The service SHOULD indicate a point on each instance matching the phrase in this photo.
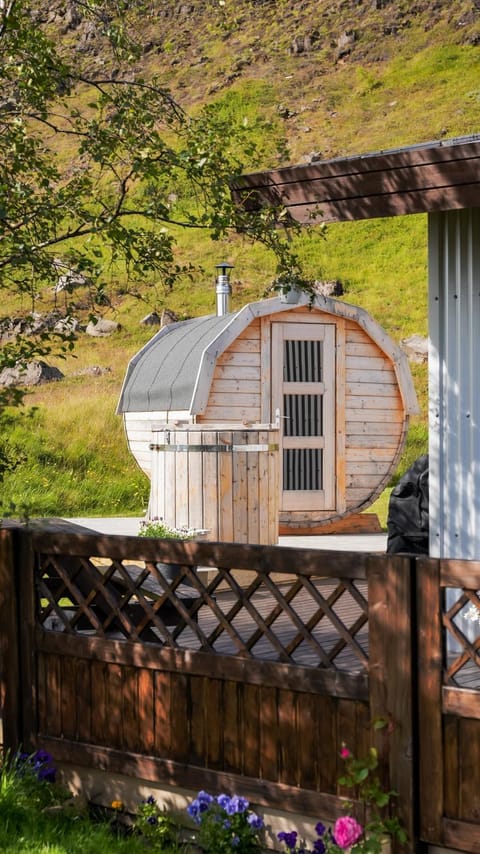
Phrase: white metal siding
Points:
(454, 375)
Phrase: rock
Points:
(101, 328)
(285, 112)
(313, 157)
(345, 43)
(35, 373)
(168, 317)
(34, 324)
(68, 279)
(416, 348)
(151, 319)
(333, 288)
(66, 325)
(92, 371)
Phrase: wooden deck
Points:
(285, 640)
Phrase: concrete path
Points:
(130, 526)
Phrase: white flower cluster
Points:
(473, 614)
(159, 528)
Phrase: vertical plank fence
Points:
(247, 673)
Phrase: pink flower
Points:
(346, 831)
(345, 753)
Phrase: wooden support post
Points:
(27, 656)
(390, 678)
(10, 711)
(430, 758)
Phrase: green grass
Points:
(85, 469)
(39, 817)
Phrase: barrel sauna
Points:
(321, 382)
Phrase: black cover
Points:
(408, 522)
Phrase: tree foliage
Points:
(99, 160)
(99, 163)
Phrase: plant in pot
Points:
(160, 529)
(291, 284)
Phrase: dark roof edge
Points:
(382, 152)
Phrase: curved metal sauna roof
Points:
(174, 370)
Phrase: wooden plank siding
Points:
(250, 727)
(138, 429)
(372, 404)
(236, 390)
(370, 421)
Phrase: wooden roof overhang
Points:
(430, 177)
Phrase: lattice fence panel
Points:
(299, 619)
(461, 620)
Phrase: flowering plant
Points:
(155, 825)
(39, 764)
(226, 823)
(344, 834)
(160, 528)
(347, 834)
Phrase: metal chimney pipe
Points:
(223, 288)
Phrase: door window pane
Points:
(302, 468)
(303, 415)
(302, 361)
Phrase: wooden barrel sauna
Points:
(223, 481)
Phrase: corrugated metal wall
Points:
(454, 376)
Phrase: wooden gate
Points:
(448, 614)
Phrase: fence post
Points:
(390, 677)
(10, 709)
(430, 667)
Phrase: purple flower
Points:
(238, 804)
(320, 829)
(150, 800)
(235, 841)
(43, 757)
(319, 847)
(290, 839)
(255, 821)
(194, 809)
(205, 798)
(46, 774)
(40, 762)
(224, 801)
(152, 819)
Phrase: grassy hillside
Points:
(332, 77)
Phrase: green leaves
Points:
(362, 778)
(133, 153)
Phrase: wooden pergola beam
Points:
(436, 176)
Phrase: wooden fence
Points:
(245, 673)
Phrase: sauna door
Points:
(303, 391)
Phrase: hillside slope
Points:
(342, 76)
(333, 77)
